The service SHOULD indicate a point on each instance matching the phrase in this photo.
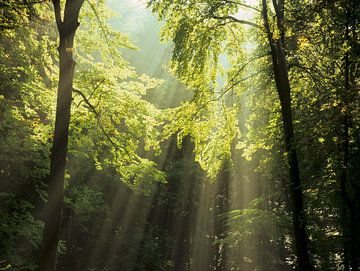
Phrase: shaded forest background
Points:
(185, 153)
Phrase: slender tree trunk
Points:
(299, 221)
(350, 238)
(284, 92)
(220, 210)
(53, 212)
(349, 212)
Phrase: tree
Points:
(337, 63)
(67, 27)
(200, 33)
(280, 69)
(282, 79)
(121, 123)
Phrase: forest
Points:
(180, 135)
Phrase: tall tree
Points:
(280, 69)
(67, 26)
(346, 184)
(329, 54)
(201, 32)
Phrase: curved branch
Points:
(235, 20)
(97, 115)
(230, 87)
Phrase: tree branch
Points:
(57, 11)
(244, 5)
(235, 20)
(97, 115)
(93, 92)
(104, 31)
(227, 89)
(309, 72)
(230, 87)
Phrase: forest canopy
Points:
(179, 135)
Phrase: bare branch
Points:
(227, 89)
(230, 87)
(235, 20)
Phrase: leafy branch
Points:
(98, 119)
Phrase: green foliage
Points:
(317, 43)
(25, 112)
(200, 40)
(255, 220)
(112, 125)
(212, 132)
(117, 136)
(20, 232)
(109, 108)
(15, 13)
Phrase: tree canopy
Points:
(179, 135)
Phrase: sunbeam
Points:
(179, 135)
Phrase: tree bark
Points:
(284, 92)
(350, 239)
(53, 210)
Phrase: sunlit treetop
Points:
(210, 56)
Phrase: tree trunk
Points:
(299, 221)
(284, 92)
(53, 211)
(220, 220)
(350, 238)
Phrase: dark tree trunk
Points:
(181, 251)
(184, 207)
(172, 209)
(350, 235)
(220, 226)
(53, 211)
(284, 92)
(349, 211)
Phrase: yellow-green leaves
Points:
(205, 44)
(117, 126)
(211, 129)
